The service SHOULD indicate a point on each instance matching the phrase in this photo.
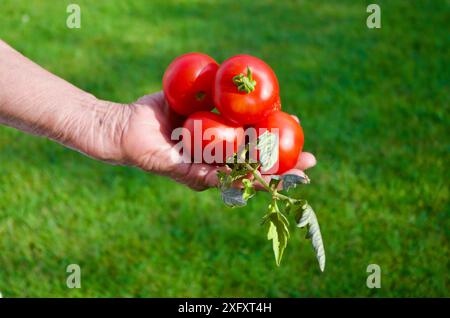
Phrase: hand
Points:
(33, 100)
(146, 143)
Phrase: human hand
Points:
(146, 143)
(137, 134)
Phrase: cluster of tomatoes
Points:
(244, 90)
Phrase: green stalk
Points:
(245, 83)
(266, 186)
(259, 178)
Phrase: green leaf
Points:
(278, 232)
(239, 171)
(223, 178)
(309, 219)
(292, 180)
(249, 189)
(221, 175)
(233, 197)
(268, 150)
(302, 215)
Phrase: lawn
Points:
(374, 105)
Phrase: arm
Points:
(40, 103)
(137, 134)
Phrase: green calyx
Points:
(245, 83)
(200, 96)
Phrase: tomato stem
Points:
(259, 178)
(245, 83)
(275, 194)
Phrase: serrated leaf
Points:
(303, 214)
(315, 235)
(268, 150)
(278, 233)
(233, 197)
(249, 189)
(222, 176)
(224, 180)
(279, 236)
(239, 171)
(292, 180)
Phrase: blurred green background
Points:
(374, 105)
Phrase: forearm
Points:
(38, 102)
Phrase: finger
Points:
(202, 177)
(211, 178)
(196, 176)
(150, 99)
(297, 172)
(175, 119)
(305, 161)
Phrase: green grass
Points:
(374, 106)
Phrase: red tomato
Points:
(290, 139)
(277, 104)
(187, 83)
(212, 138)
(245, 89)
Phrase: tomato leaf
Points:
(239, 171)
(278, 231)
(292, 180)
(301, 214)
(233, 197)
(249, 189)
(309, 219)
(223, 179)
(268, 150)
